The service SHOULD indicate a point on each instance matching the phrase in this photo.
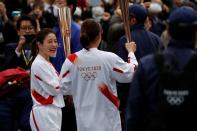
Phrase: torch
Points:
(124, 4)
(64, 17)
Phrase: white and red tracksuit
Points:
(46, 112)
(90, 77)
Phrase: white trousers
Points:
(46, 118)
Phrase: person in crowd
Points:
(50, 7)
(68, 113)
(90, 75)
(19, 54)
(77, 16)
(144, 94)
(156, 11)
(114, 33)
(116, 29)
(6, 28)
(15, 5)
(146, 42)
(75, 31)
(16, 106)
(43, 18)
(46, 113)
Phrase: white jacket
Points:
(45, 84)
(46, 114)
(90, 77)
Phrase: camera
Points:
(29, 38)
(28, 41)
(16, 13)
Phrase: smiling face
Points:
(49, 46)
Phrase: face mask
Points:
(78, 11)
(97, 13)
(155, 8)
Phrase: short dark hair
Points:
(42, 34)
(26, 18)
(90, 29)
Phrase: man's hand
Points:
(20, 44)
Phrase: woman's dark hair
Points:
(26, 18)
(90, 29)
(40, 38)
(42, 34)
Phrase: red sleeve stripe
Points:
(38, 77)
(65, 74)
(35, 123)
(118, 70)
(39, 98)
(129, 60)
(72, 58)
(107, 93)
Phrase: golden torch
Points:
(64, 17)
(124, 4)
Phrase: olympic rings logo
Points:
(175, 100)
(89, 75)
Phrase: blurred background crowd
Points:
(107, 12)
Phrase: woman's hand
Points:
(131, 46)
